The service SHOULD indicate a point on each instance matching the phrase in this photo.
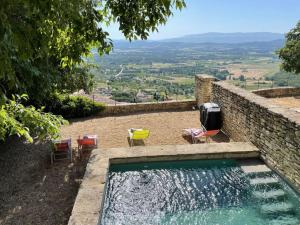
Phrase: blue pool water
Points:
(200, 192)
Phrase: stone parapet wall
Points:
(273, 129)
(278, 92)
(148, 107)
(203, 88)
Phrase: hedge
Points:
(73, 106)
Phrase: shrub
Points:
(27, 121)
(285, 79)
(73, 106)
(242, 78)
(124, 96)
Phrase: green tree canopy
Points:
(28, 122)
(43, 42)
(42, 47)
(290, 53)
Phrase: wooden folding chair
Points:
(61, 150)
(88, 142)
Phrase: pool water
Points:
(204, 192)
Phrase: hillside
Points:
(168, 67)
(152, 45)
(230, 38)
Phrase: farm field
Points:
(154, 71)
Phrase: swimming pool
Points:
(204, 192)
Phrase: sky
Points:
(202, 16)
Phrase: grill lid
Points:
(211, 107)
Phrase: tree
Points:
(242, 77)
(290, 53)
(42, 43)
(27, 122)
(156, 96)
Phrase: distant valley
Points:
(165, 69)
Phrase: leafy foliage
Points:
(290, 53)
(283, 78)
(42, 41)
(139, 17)
(80, 78)
(27, 122)
(42, 44)
(124, 96)
(242, 77)
(220, 74)
(73, 106)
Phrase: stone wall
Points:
(148, 107)
(203, 88)
(278, 92)
(273, 129)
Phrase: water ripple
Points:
(180, 194)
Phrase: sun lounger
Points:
(137, 134)
(192, 131)
(199, 134)
(205, 136)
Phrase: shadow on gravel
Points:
(33, 191)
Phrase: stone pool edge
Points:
(87, 208)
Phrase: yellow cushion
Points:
(140, 134)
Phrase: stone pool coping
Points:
(88, 204)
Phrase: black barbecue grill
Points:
(210, 116)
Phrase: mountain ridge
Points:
(220, 38)
(229, 38)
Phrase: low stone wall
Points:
(278, 92)
(148, 107)
(273, 129)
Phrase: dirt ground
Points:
(34, 192)
(165, 128)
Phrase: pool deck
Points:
(88, 205)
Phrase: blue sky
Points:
(203, 16)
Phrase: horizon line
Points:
(194, 34)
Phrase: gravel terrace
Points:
(33, 191)
(165, 128)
